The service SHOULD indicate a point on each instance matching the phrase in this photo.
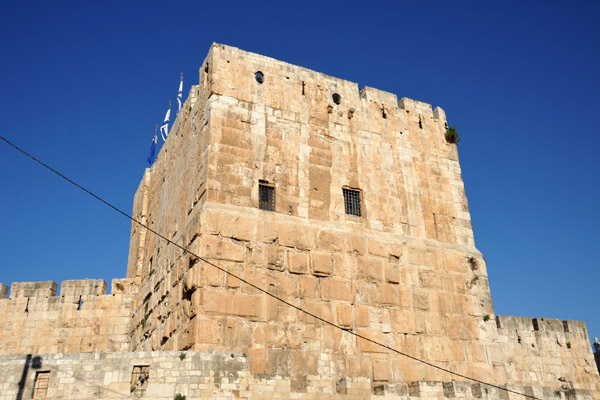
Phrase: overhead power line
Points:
(186, 251)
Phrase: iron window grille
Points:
(352, 201)
(266, 197)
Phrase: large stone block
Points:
(322, 263)
(33, 289)
(300, 237)
(298, 262)
(331, 241)
(355, 244)
(344, 315)
(333, 289)
(381, 370)
(83, 287)
(384, 249)
(372, 341)
(370, 269)
(219, 248)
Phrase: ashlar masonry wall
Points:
(399, 273)
(405, 272)
(82, 319)
(540, 351)
(214, 375)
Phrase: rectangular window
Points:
(40, 385)
(352, 201)
(266, 196)
(139, 380)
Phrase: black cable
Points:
(186, 251)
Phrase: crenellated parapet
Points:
(81, 318)
(541, 350)
(312, 195)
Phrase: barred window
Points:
(266, 196)
(40, 385)
(352, 201)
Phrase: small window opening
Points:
(139, 380)
(420, 123)
(352, 201)
(206, 68)
(536, 326)
(303, 86)
(80, 304)
(446, 125)
(337, 99)
(383, 113)
(565, 326)
(259, 76)
(266, 196)
(40, 385)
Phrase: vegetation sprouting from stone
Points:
(452, 135)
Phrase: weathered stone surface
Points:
(33, 289)
(322, 263)
(404, 273)
(298, 262)
(3, 291)
(83, 287)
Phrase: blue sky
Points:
(83, 85)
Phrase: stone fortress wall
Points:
(405, 272)
(83, 318)
(399, 273)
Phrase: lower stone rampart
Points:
(548, 352)
(81, 338)
(82, 319)
(217, 375)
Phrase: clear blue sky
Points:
(82, 87)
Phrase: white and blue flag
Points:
(164, 128)
(152, 153)
(180, 94)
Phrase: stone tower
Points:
(343, 202)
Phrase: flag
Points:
(180, 94)
(152, 153)
(164, 128)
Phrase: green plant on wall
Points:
(179, 396)
(452, 135)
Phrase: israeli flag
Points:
(152, 153)
(180, 94)
(164, 128)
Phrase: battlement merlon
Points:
(33, 289)
(279, 76)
